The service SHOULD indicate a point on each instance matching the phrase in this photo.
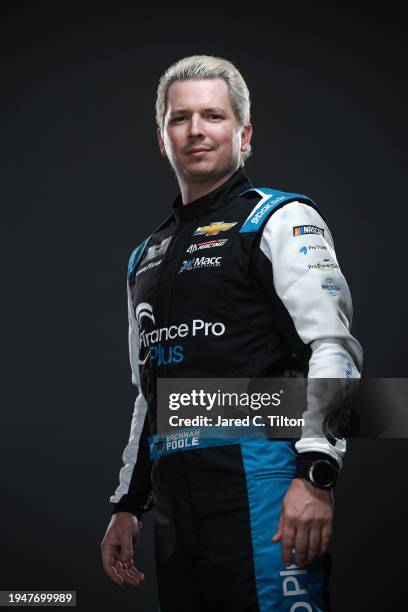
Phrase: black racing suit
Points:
(241, 283)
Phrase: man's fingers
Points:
(326, 538)
(136, 572)
(118, 571)
(278, 533)
(307, 519)
(114, 574)
(301, 545)
(132, 570)
(108, 562)
(288, 537)
(108, 556)
(315, 541)
(132, 576)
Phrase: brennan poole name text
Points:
(257, 421)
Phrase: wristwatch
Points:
(320, 473)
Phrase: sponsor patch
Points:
(214, 228)
(159, 446)
(200, 262)
(153, 264)
(157, 249)
(262, 212)
(323, 266)
(180, 440)
(330, 286)
(210, 244)
(301, 230)
(312, 247)
(157, 343)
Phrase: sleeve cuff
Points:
(128, 505)
(309, 457)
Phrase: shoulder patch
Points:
(135, 256)
(271, 199)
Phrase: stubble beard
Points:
(201, 173)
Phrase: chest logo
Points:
(214, 228)
(157, 249)
(210, 244)
(200, 262)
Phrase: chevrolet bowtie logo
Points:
(214, 228)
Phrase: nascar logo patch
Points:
(301, 230)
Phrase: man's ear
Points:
(161, 143)
(246, 136)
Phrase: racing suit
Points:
(242, 282)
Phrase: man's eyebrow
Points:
(214, 110)
(206, 110)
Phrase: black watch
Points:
(319, 473)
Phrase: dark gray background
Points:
(83, 183)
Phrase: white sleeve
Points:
(308, 281)
(130, 453)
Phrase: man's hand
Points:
(305, 522)
(117, 549)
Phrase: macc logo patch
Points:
(200, 262)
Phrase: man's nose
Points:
(195, 126)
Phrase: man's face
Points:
(201, 137)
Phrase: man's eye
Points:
(178, 118)
(215, 116)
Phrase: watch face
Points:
(322, 473)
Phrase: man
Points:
(232, 284)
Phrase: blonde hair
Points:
(207, 67)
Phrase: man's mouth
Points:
(195, 151)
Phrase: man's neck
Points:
(193, 190)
